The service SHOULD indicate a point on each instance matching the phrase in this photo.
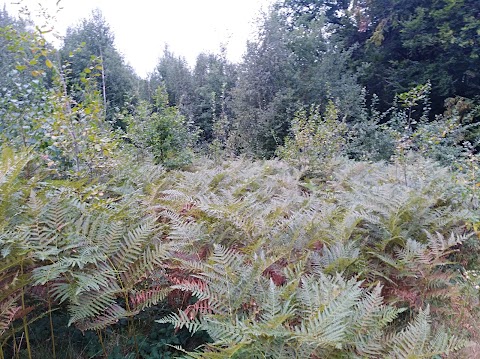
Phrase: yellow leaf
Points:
(48, 63)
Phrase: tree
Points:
(408, 43)
(295, 63)
(163, 131)
(93, 38)
(173, 74)
(404, 43)
(213, 81)
(24, 85)
(263, 98)
(315, 141)
(36, 110)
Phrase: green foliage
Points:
(213, 81)
(63, 244)
(366, 222)
(89, 260)
(172, 73)
(294, 64)
(23, 85)
(93, 38)
(201, 94)
(311, 256)
(163, 131)
(420, 41)
(77, 136)
(14, 255)
(273, 266)
(316, 140)
(312, 314)
(405, 128)
(367, 138)
(71, 134)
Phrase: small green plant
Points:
(367, 138)
(161, 130)
(315, 140)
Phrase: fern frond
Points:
(440, 246)
(372, 313)
(275, 309)
(232, 330)
(142, 299)
(182, 320)
(42, 275)
(196, 286)
(183, 229)
(89, 305)
(56, 214)
(132, 243)
(412, 341)
(156, 254)
(11, 166)
(335, 258)
(175, 195)
(110, 315)
(226, 258)
(444, 344)
(93, 281)
(327, 303)
(8, 310)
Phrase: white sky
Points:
(143, 27)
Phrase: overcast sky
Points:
(143, 27)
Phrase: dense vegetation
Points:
(318, 200)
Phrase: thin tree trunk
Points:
(104, 89)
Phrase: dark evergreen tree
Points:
(407, 43)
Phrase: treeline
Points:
(368, 59)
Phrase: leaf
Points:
(48, 63)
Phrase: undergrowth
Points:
(251, 258)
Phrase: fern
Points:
(15, 249)
(131, 245)
(267, 264)
(368, 224)
(416, 340)
(109, 315)
(336, 258)
(8, 310)
(92, 260)
(181, 320)
(314, 314)
(142, 299)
